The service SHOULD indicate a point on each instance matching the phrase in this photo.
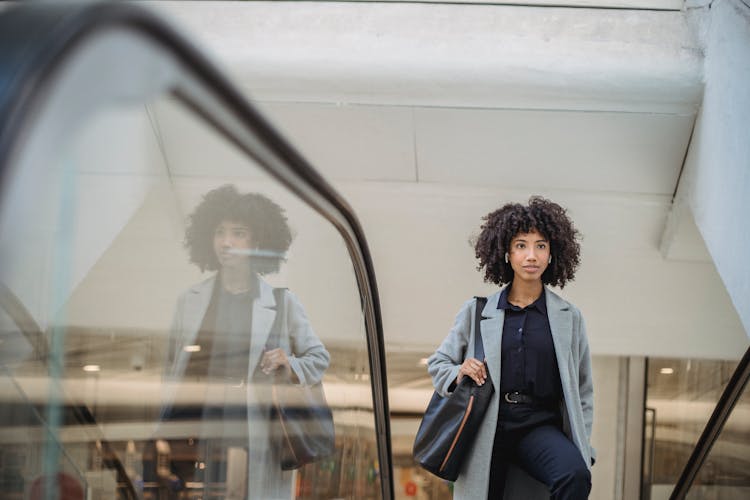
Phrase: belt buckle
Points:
(511, 401)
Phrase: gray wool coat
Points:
(573, 360)
(308, 359)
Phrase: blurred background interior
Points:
(633, 114)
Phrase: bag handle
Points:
(478, 345)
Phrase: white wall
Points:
(716, 181)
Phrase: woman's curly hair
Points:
(542, 215)
(265, 219)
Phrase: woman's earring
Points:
(506, 257)
(550, 260)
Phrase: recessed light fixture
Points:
(666, 371)
(91, 368)
(192, 348)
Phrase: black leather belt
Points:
(517, 397)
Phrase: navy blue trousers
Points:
(546, 454)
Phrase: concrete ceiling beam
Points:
(489, 56)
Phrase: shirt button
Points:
(520, 330)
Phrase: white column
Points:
(716, 180)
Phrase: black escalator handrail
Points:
(84, 416)
(732, 393)
(52, 33)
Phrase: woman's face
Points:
(232, 243)
(529, 255)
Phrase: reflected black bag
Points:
(302, 412)
(450, 424)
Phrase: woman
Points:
(220, 332)
(540, 415)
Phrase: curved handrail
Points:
(732, 393)
(37, 39)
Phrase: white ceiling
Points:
(534, 149)
(614, 4)
(426, 117)
(452, 55)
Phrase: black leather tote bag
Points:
(305, 421)
(450, 424)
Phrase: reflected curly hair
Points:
(542, 215)
(265, 219)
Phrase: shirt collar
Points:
(252, 292)
(540, 304)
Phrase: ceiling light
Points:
(192, 348)
(666, 371)
(91, 368)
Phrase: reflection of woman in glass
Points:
(537, 355)
(220, 331)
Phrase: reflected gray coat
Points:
(573, 360)
(308, 359)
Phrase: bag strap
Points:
(478, 345)
(274, 337)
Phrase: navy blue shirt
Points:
(224, 336)
(528, 362)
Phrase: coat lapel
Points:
(194, 310)
(492, 331)
(196, 305)
(560, 321)
(264, 314)
(561, 324)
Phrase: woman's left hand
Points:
(273, 360)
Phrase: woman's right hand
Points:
(474, 369)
